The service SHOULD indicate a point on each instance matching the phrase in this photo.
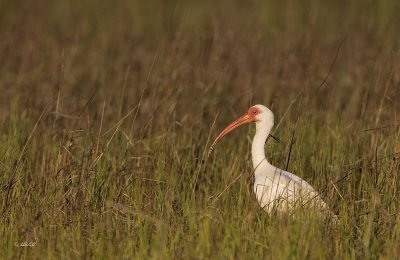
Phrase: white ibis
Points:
(275, 189)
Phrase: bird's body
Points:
(280, 190)
(274, 188)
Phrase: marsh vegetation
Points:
(107, 110)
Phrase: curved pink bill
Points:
(235, 124)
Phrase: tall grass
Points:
(107, 110)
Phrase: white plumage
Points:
(274, 188)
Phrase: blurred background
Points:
(225, 53)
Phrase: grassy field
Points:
(107, 110)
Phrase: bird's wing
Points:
(286, 178)
(294, 184)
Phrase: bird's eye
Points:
(254, 112)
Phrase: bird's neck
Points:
(257, 148)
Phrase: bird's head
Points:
(259, 114)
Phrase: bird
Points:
(276, 190)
